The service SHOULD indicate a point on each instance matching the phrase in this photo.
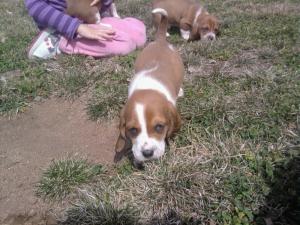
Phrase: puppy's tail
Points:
(163, 25)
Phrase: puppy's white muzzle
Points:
(147, 148)
(211, 36)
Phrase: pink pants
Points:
(130, 34)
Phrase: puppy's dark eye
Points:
(204, 29)
(159, 128)
(133, 131)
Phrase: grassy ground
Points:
(64, 175)
(236, 158)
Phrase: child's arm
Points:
(46, 15)
(101, 32)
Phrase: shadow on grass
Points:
(282, 206)
(106, 214)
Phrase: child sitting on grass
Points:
(63, 33)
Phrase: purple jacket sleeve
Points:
(51, 15)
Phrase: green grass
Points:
(8, 51)
(92, 210)
(108, 96)
(284, 207)
(235, 160)
(63, 176)
(253, 108)
(110, 90)
(15, 93)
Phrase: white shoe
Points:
(45, 45)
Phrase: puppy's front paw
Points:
(113, 11)
(185, 34)
(181, 93)
(139, 165)
(116, 15)
(98, 18)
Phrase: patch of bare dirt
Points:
(247, 63)
(4, 77)
(204, 69)
(50, 130)
(30, 219)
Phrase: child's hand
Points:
(102, 33)
(95, 2)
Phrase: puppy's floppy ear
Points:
(188, 23)
(218, 24)
(185, 24)
(195, 32)
(123, 144)
(174, 120)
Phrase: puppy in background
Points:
(192, 19)
(83, 10)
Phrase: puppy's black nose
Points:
(211, 38)
(147, 153)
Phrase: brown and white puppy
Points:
(192, 19)
(150, 115)
(83, 10)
